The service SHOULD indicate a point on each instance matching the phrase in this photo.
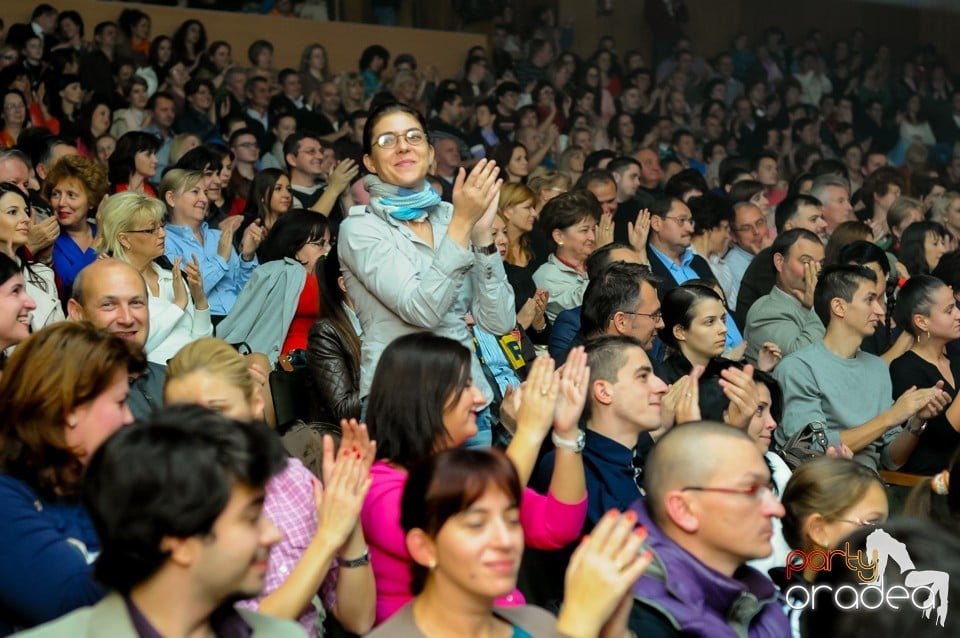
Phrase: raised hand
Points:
(473, 193)
(252, 237)
(538, 400)
(768, 357)
(681, 403)
(179, 288)
(637, 232)
(574, 387)
(195, 284)
(42, 235)
(738, 386)
(342, 175)
(345, 485)
(605, 230)
(482, 234)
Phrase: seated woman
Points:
(318, 535)
(825, 500)
(922, 246)
(274, 312)
(423, 400)
(74, 187)
(927, 311)
(333, 348)
(570, 223)
(16, 306)
(462, 519)
(270, 197)
(133, 162)
(62, 393)
(40, 285)
(224, 271)
(133, 230)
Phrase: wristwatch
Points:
(364, 559)
(574, 446)
(485, 250)
(917, 431)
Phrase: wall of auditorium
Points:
(344, 41)
(712, 22)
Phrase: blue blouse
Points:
(69, 260)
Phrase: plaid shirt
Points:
(290, 505)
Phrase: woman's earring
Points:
(71, 421)
(432, 565)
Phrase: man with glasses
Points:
(304, 154)
(708, 510)
(669, 250)
(750, 234)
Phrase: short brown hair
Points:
(90, 175)
(52, 372)
(567, 209)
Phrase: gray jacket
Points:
(400, 285)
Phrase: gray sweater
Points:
(842, 393)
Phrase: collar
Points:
(685, 259)
(608, 450)
(569, 265)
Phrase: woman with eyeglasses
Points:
(412, 263)
(132, 229)
(279, 304)
(825, 500)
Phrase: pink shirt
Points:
(547, 524)
(290, 505)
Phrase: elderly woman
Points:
(412, 263)
(133, 230)
(570, 224)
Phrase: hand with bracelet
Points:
(537, 399)
(574, 386)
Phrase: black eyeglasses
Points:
(148, 231)
(757, 492)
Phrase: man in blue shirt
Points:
(668, 248)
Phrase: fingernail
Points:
(613, 513)
(640, 530)
(631, 516)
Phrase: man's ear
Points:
(778, 262)
(181, 551)
(681, 512)
(74, 310)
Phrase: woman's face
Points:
(871, 509)
(105, 147)
(69, 28)
(178, 75)
(913, 105)
(460, 414)
(478, 550)
(854, 158)
(15, 307)
(500, 239)
(69, 201)
(281, 196)
(355, 90)
(707, 334)
(14, 221)
(164, 51)
(626, 126)
(405, 164)
(145, 163)
(575, 243)
(143, 244)
(528, 119)
(193, 33)
(547, 96)
(318, 59)
(760, 201)
(521, 216)
(943, 320)
(141, 30)
(100, 120)
(934, 247)
(592, 77)
(190, 206)
(214, 392)
(762, 425)
(265, 58)
(585, 103)
(518, 166)
(14, 110)
(312, 251)
(139, 96)
(90, 424)
(226, 170)
(222, 58)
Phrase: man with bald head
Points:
(708, 510)
(113, 296)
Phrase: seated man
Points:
(622, 301)
(706, 515)
(749, 232)
(112, 295)
(847, 390)
(786, 316)
(624, 408)
(182, 535)
(668, 249)
(800, 211)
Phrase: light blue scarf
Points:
(403, 204)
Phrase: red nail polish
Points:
(631, 516)
(613, 513)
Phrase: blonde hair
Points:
(513, 194)
(178, 146)
(178, 181)
(121, 213)
(215, 357)
(940, 205)
(900, 210)
(542, 179)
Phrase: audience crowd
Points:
(632, 344)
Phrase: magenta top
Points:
(547, 524)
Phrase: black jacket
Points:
(334, 374)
